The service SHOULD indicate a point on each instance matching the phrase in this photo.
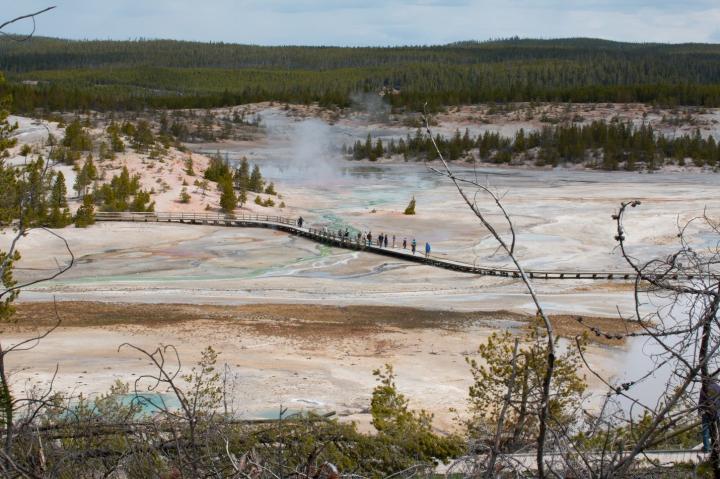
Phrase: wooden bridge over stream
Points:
(322, 235)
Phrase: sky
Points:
(371, 22)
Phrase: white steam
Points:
(310, 149)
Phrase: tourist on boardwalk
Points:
(300, 222)
(386, 241)
(380, 240)
(427, 249)
(404, 243)
(393, 241)
(414, 245)
(709, 411)
(369, 238)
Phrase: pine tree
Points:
(256, 182)
(58, 194)
(36, 186)
(189, 170)
(116, 143)
(379, 150)
(242, 197)
(59, 211)
(143, 137)
(142, 202)
(217, 169)
(87, 174)
(85, 215)
(76, 138)
(228, 200)
(242, 174)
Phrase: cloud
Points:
(375, 22)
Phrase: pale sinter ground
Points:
(563, 218)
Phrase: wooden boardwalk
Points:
(290, 225)
(526, 462)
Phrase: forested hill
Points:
(684, 62)
(135, 74)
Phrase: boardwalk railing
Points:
(331, 238)
(200, 218)
(557, 461)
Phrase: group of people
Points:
(382, 241)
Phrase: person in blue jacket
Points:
(709, 411)
(427, 249)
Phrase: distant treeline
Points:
(136, 74)
(609, 146)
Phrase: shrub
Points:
(184, 196)
(25, 150)
(410, 210)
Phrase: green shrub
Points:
(410, 210)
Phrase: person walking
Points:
(709, 411)
(427, 249)
(386, 241)
(414, 246)
(369, 238)
(404, 243)
(393, 241)
(380, 240)
(300, 222)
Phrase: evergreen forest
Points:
(61, 75)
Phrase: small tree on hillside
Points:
(228, 200)
(242, 175)
(116, 143)
(76, 137)
(184, 196)
(407, 430)
(242, 197)
(217, 169)
(86, 176)
(143, 138)
(410, 210)
(189, 170)
(59, 211)
(85, 215)
(256, 182)
(513, 375)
